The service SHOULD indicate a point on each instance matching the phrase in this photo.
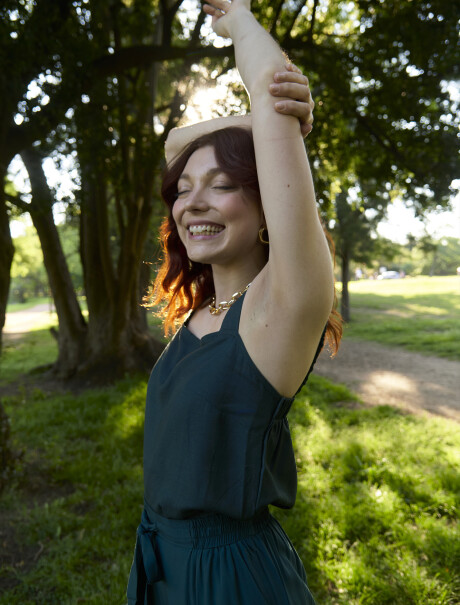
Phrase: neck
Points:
(227, 281)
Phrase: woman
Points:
(217, 448)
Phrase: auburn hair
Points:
(182, 284)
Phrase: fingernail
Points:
(274, 88)
(280, 105)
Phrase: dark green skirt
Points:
(215, 560)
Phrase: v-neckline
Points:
(225, 320)
(197, 338)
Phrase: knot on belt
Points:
(146, 533)
(146, 567)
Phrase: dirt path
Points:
(378, 374)
(20, 322)
(387, 375)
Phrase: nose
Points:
(196, 200)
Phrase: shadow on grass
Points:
(375, 519)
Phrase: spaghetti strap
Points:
(231, 321)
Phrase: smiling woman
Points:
(186, 282)
(245, 253)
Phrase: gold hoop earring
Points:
(261, 235)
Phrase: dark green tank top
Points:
(216, 436)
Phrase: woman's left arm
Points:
(290, 300)
(299, 270)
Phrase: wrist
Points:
(238, 19)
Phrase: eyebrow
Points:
(210, 173)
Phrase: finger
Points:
(293, 67)
(305, 129)
(212, 10)
(302, 111)
(294, 91)
(221, 6)
(291, 76)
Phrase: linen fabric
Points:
(217, 452)
(215, 560)
(216, 437)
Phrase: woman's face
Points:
(216, 222)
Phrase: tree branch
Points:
(313, 20)
(18, 201)
(194, 38)
(276, 17)
(143, 56)
(386, 143)
(297, 12)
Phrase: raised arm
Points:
(294, 295)
(179, 138)
(290, 84)
(297, 243)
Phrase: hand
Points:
(294, 85)
(221, 12)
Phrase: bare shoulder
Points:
(280, 338)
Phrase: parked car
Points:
(389, 275)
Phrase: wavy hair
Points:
(182, 284)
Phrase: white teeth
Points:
(196, 229)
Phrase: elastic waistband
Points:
(206, 531)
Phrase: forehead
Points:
(202, 161)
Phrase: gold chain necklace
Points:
(225, 304)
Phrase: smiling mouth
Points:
(205, 229)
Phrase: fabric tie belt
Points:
(154, 558)
(146, 568)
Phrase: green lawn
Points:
(420, 314)
(376, 519)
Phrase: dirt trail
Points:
(20, 322)
(389, 375)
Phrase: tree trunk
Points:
(6, 254)
(345, 298)
(72, 326)
(118, 340)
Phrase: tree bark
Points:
(72, 326)
(6, 254)
(117, 339)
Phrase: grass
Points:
(31, 302)
(38, 347)
(34, 349)
(376, 518)
(419, 314)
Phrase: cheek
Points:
(176, 213)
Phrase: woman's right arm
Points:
(292, 85)
(179, 138)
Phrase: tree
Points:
(353, 234)
(114, 77)
(32, 46)
(385, 122)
